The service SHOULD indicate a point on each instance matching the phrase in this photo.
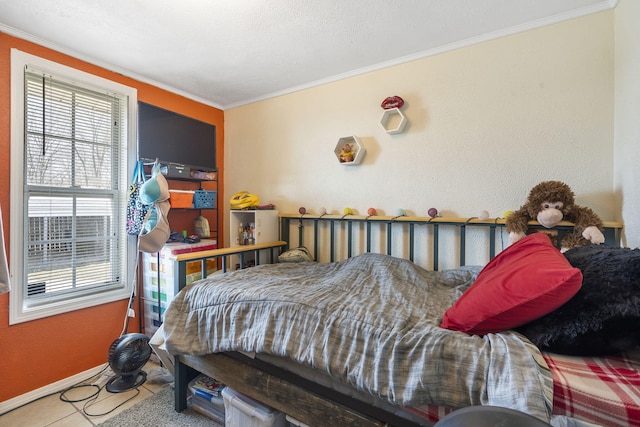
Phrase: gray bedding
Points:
(371, 321)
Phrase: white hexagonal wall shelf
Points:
(393, 121)
(349, 151)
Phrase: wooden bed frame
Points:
(332, 238)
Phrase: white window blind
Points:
(73, 153)
(75, 146)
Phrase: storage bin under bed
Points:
(242, 411)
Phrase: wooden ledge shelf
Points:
(234, 250)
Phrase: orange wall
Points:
(44, 351)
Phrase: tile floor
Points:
(51, 411)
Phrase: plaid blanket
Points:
(602, 390)
(371, 321)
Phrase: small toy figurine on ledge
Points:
(549, 203)
(347, 154)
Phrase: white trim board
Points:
(49, 389)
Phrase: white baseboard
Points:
(58, 386)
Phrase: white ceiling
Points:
(227, 53)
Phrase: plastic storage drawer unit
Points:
(242, 411)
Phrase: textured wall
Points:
(627, 125)
(87, 333)
(486, 123)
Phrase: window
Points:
(71, 138)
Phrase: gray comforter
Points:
(371, 321)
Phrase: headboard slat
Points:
(411, 241)
(463, 243)
(436, 245)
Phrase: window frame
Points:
(19, 310)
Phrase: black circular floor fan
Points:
(127, 355)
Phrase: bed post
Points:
(180, 386)
(182, 375)
(284, 231)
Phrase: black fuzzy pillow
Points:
(603, 318)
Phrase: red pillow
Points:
(527, 280)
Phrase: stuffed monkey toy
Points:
(549, 203)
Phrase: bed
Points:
(289, 334)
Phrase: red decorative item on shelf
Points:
(392, 102)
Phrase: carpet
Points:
(158, 410)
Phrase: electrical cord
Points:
(94, 396)
(132, 295)
(92, 400)
(62, 392)
(82, 384)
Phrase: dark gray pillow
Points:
(299, 254)
(603, 318)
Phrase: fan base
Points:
(121, 383)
